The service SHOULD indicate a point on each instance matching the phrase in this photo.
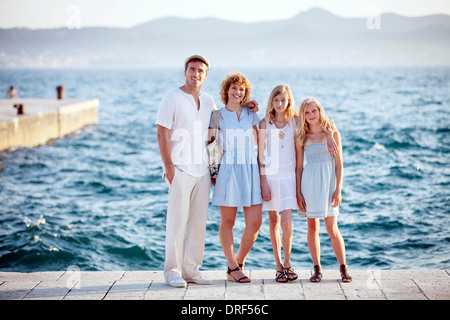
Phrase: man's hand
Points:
(162, 135)
(170, 173)
(253, 105)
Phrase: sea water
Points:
(96, 200)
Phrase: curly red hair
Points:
(235, 78)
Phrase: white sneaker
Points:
(199, 279)
(177, 283)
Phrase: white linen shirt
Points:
(188, 129)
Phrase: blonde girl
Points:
(277, 158)
(319, 191)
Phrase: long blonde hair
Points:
(303, 127)
(290, 112)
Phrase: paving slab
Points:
(48, 290)
(128, 289)
(16, 289)
(159, 290)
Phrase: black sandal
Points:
(281, 276)
(243, 279)
(345, 276)
(290, 274)
(317, 276)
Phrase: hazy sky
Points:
(127, 13)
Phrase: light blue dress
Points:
(318, 182)
(238, 182)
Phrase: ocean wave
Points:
(131, 252)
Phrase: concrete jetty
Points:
(150, 285)
(43, 120)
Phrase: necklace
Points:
(281, 134)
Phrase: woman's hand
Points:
(265, 192)
(336, 198)
(332, 146)
(301, 202)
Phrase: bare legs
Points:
(337, 241)
(253, 220)
(313, 240)
(274, 224)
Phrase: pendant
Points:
(281, 135)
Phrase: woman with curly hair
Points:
(238, 181)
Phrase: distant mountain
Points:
(312, 38)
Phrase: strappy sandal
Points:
(290, 274)
(281, 276)
(345, 276)
(243, 279)
(317, 276)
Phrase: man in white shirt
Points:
(182, 127)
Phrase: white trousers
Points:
(186, 224)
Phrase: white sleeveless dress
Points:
(280, 167)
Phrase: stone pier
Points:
(150, 285)
(43, 120)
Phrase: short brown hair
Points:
(235, 78)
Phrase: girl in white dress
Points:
(278, 147)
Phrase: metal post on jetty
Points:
(60, 92)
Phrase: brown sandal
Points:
(243, 279)
(317, 276)
(281, 276)
(290, 274)
(345, 276)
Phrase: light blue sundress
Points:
(238, 182)
(318, 182)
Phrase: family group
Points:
(289, 160)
